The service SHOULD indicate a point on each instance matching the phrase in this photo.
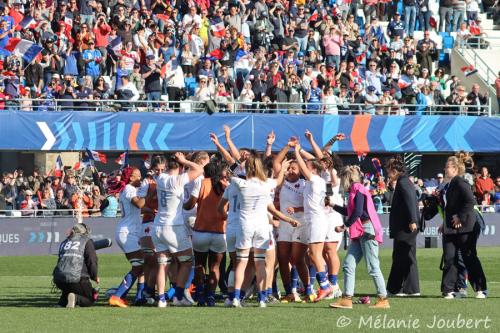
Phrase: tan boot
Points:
(382, 303)
(344, 303)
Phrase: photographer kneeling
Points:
(76, 266)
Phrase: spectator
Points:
(9, 191)
(476, 101)
(97, 199)
(62, 203)
(29, 205)
(496, 197)
(47, 202)
(484, 187)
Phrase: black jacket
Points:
(404, 209)
(460, 201)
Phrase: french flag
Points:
(468, 70)
(404, 82)
(115, 45)
(218, 29)
(23, 48)
(59, 166)
(122, 159)
(27, 22)
(96, 156)
(314, 16)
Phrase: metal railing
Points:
(234, 106)
(483, 68)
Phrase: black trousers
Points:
(404, 271)
(82, 290)
(466, 243)
(174, 94)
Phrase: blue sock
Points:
(179, 293)
(163, 297)
(332, 278)
(140, 289)
(170, 293)
(237, 293)
(263, 295)
(230, 294)
(269, 291)
(127, 283)
(210, 294)
(242, 294)
(288, 288)
(295, 277)
(190, 278)
(312, 275)
(322, 279)
(309, 289)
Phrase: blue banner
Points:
(74, 131)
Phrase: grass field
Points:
(27, 305)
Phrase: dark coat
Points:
(460, 201)
(404, 209)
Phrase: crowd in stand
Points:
(47, 195)
(373, 56)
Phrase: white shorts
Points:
(189, 220)
(301, 234)
(231, 231)
(171, 238)
(252, 235)
(147, 229)
(128, 242)
(317, 231)
(333, 220)
(209, 241)
(285, 232)
(272, 238)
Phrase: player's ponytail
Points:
(461, 161)
(254, 168)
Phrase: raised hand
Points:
(227, 130)
(271, 137)
(285, 164)
(180, 157)
(214, 138)
(292, 142)
(308, 135)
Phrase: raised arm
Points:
(232, 148)
(316, 150)
(225, 154)
(195, 170)
(269, 143)
(281, 174)
(280, 157)
(337, 137)
(302, 165)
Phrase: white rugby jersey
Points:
(292, 195)
(131, 215)
(314, 197)
(255, 196)
(233, 196)
(170, 199)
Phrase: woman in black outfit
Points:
(458, 229)
(403, 228)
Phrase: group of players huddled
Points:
(195, 210)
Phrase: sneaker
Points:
(262, 304)
(236, 303)
(363, 300)
(117, 301)
(162, 304)
(182, 302)
(187, 296)
(228, 303)
(462, 292)
(311, 298)
(291, 298)
(210, 301)
(382, 303)
(272, 300)
(71, 301)
(449, 296)
(345, 302)
(322, 294)
(415, 295)
(479, 295)
(336, 292)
